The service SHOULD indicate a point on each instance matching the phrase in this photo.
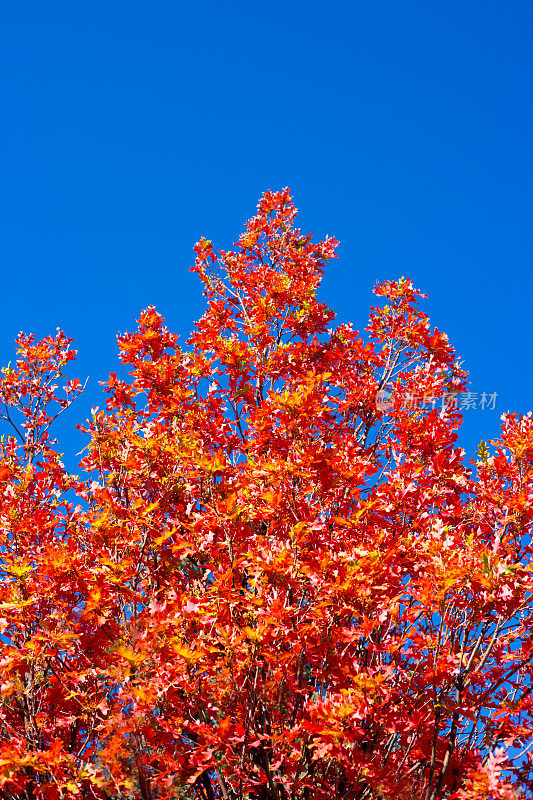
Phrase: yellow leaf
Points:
(190, 656)
(129, 655)
(19, 570)
(159, 541)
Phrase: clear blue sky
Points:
(130, 129)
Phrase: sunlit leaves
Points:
(266, 585)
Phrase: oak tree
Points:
(277, 577)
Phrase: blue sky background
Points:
(131, 129)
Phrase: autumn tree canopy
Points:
(266, 583)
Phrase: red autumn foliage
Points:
(267, 585)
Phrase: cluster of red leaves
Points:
(271, 588)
